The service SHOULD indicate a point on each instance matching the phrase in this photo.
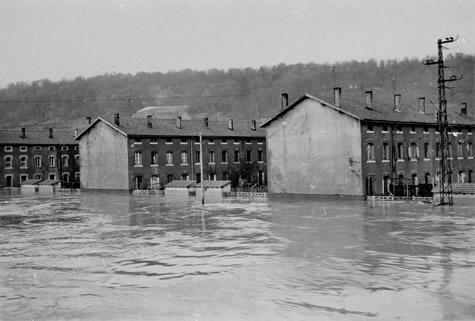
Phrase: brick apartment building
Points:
(316, 147)
(38, 154)
(146, 153)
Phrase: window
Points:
(212, 176)
(426, 130)
(236, 141)
(385, 152)
(23, 149)
(469, 131)
(413, 130)
(211, 141)
(77, 176)
(154, 182)
(248, 156)
(225, 176)
(37, 148)
(64, 148)
(76, 160)
(184, 158)
(64, 160)
(169, 158)
(248, 140)
(51, 148)
(437, 150)
(65, 178)
(183, 141)
(138, 158)
(236, 156)
(52, 177)
(449, 150)
(426, 150)
(38, 176)
(197, 157)
(224, 156)
(400, 151)
(9, 180)
(137, 141)
(459, 150)
(398, 129)
(154, 158)
(224, 141)
(37, 161)
(8, 161)
(168, 141)
(8, 148)
(369, 128)
(211, 156)
(23, 177)
(185, 177)
(153, 141)
(370, 152)
(169, 178)
(385, 129)
(76, 147)
(23, 161)
(260, 157)
(413, 151)
(469, 149)
(52, 161)
(260, 140)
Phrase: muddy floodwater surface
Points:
(116, 256)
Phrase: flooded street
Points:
(89, 256)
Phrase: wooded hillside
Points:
(235, 93)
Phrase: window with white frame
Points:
(8, 148)
(211, 157)
(38, 176)
(400, 151)
(76, 160)
(370, 152)
(64, 148)
(260, 155)
(138, 158)
(37, 161)
(24, 161)
(413, 151)
(52, 161)
(52, 176)
(224, 156)
(385, 151)
(184, 158)
(23, 177)
(51, 148)
(426, 150)
(248, 156)
(23, 149)
(169, 158)
(469, 149)
(154, 158)
(37, 148)
(8, 161)
(64, 160)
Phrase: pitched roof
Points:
(382, 112)
(37, 137)
(212, 184)
(180, 184)
(169, 128)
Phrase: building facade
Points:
(44, 154)
(315, 147)
(137, 153)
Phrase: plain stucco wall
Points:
(314, 149)
(103, 157)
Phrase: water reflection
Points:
(97, 256)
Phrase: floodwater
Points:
(88, 256)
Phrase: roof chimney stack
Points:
(23, 132)
(149, 121)
(88, 120)
(285, 100)
(369, 99)
(463, 110)
(178, 122)
(116, 119)
(230, 124)
(253, 125)
(422, 105)
(397, 102)
(76, 131)
(337, 96)
(51, 133)
(205, 120)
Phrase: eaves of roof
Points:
(14, 137)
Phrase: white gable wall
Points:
(314, 149)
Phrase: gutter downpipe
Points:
(201, 169)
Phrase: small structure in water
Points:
(180, 188)
(462, 193)
(40, 185)
(213, 188)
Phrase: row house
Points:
(317, 147)
(38, 154)
(147, 153)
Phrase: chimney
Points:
(51, 133)
(76, 132)
(337, 96)
(205, 120)
(463, 110)
(88, 120)
(178, 122)
(285, 100)
(397, 101)
(422, 105)
(230, 124)
(253, 125)
(149, 121)
(23, 132)
(116, 120)
(369, 99)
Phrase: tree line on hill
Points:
(241, 94)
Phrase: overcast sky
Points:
(68, 38)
